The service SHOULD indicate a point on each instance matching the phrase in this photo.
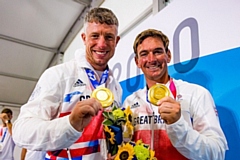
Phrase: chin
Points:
(101, 63)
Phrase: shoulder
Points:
(56, 77)
(68, 68)
(188, 86)
(65, 67)
(192, 90)
(60, 70)
(141, 93)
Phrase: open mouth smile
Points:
(101, 52)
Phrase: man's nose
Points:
(102, 42)
(151, 57)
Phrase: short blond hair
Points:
(101, 15)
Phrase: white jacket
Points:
(197, 135)
(43, 122)
(6, 145)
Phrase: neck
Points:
(151, 82)
(95, 66)
(99, 68)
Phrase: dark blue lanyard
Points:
(3, 137)
(93, 78)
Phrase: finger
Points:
(170, 112)
(87, 110)
(164, 112)
(166, 99)
(5, 116)
(169, 107)
(97, 105)
(93, 103)
(110, 157)
(166, 105)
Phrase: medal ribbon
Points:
(172, 88)
(95, 84)
(93, 78)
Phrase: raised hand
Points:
(83, 112)
(169, 110)
(4, 116)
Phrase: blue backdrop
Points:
(219, 73)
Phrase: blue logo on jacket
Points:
(69, 96)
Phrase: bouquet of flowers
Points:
(119, 130)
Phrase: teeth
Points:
(100, 52)
(153, 67)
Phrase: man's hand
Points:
(83, 112)
(110, 157)
(4, 117)
(169, 110)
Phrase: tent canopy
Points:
(33, 37)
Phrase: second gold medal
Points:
(157, 92)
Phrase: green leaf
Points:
(114, 108)
(110, 116)
(107, 122)
(105, 114)
(121, 120)
(115, 149)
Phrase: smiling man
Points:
(61, 120)
(182, 124)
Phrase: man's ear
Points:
(136, 61)
(169, 56)
(117, 40)
(83, 35)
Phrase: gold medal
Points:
(157, 92)
(104, 96)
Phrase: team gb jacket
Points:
(197, 135)
(44, 118)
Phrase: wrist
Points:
(8, 121)
(76, 125)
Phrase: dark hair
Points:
(101, 15)
(150, 33)
(7, 110)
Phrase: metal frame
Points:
(157, 5)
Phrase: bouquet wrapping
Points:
(119, 131)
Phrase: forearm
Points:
(194, 145)
(9, 126)
(39, 134)
(23, 153)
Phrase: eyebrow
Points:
(159, 48)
